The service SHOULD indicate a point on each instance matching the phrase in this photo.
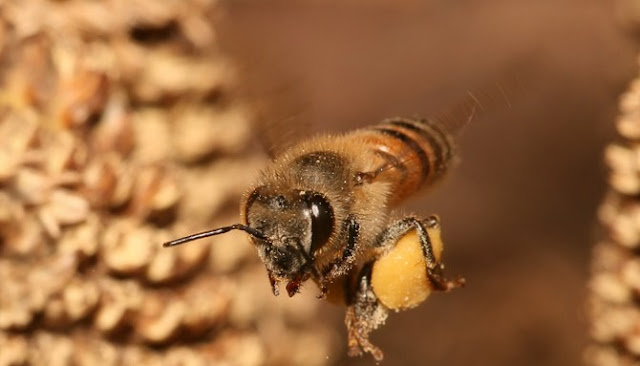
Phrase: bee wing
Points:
(483, 100)
(265, 77)
(477, 102)
(279, 118)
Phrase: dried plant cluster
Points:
(615, 283)
(119, 131)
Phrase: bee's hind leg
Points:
(366, 311)
(364, 314)
(428, 231)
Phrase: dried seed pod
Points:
(51, 276)
(111, 317)
(160, 320)
(93, 351)
(151, 122)
(23, 299)
(67, 207)
(16, 311)
(124, 189)
(100, 180)
(229, 252)
(622, 218)
(155, 193)
(629, 100)
(167, 75)
(10, 210)
(81, 97)
(198, 30)
(625, 163)
(49, 223)
(32, 186)
(63, 208)
(126, 248)
(241, 349)
(627, 126)
(614, 323)
(119, 301)
(14, 350)
(43, 343)
(54, 315)
(60, 148)
(208, 302)
(210, 190)
(183, 356)
(23, 234)
(611, 288)
(162, 267)
(139, 356)
(630, 275)
(115, 132)
(200, 132)
(80, 298)
(33, 81)
(165, 267)
(17, 134)
(150, 14)
(165, 197)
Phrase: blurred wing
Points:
(279, 117)
(480, 101)
(266, 80)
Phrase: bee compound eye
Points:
(322, 219)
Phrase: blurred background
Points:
(131, 123)
(519, 211)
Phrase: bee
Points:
(322, 211)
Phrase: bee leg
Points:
(323, 290)
(392, 162)
(342, 265)
(274, 284)
(364, 314)
(435, 269)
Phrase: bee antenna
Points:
(249, 230)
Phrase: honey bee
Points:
(322, 211)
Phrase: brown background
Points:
(519, 212)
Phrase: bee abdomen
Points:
(436, 144)
(418, 151)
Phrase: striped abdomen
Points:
(412, 153)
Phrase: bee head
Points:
(294, 224)
(287, 229)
